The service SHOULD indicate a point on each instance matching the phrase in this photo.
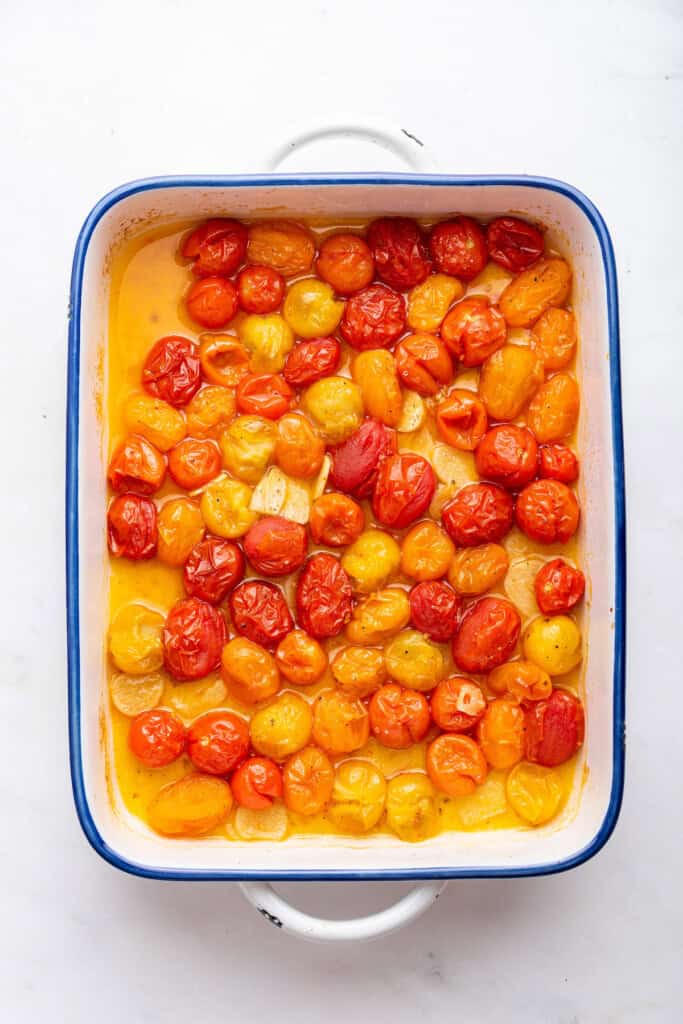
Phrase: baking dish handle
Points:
(408, 148)
(278, 912)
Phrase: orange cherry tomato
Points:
(324, 596)
(487, 636)
(137, 465)
(259, 612)
(554, 409)
(554, 729)
(193, 638)
(423, 363)
(283, 245)
(355, 462)
(547, 511)
(193, 463)
(435, 609)
(399, 251)
(256, 783)
(172, 370)
(521, 679)
(461, 419)
(224, 359)
(276, 546)
(501, 733)
(456, 764)
(513, 243)
(300, 658)
(308, 778)
(299, 450)
(212, 302)
(558, 587)
(210, 412)
(345, 262)
(374, 317)
(250, 672)
(557, 462)
(340, 722)
(359, 671)
(457, 704)
(399, 716)
(267, 395)
(336, 520)
(458, 247)
(473, 330)
(260, 289)
(475, 570)
(311, 360)
(213, 568)
(216, 247)
(478, 514)
(554, 335)
(218, 742)
(132, 527)
(536, 290)
(192, 806)
(157, 738)
(426, 552)
(508, 455)
(405, 487)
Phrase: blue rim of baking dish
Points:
(72, 553)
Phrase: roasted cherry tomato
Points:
(311, 309)
(256, 783)
(282, 244)
(501, 733)
(180, 525)
(554, 335)
(423, 363)
(345, 262)
(508, 380)
(461, 419)
(358, 671)
(375, 374)
(558, 587)
(137, 465)
(435, 609)
(157, 737)
(521, 679)
(311, 360)
(212, 302)
(513, 243)
(336, 520)
(426, 552)
(554, 410)
(374, 317)
(308, 777)
(300, 658)
(192, 806)
(473, 330)
(216, 247)
(414, 660)
(324, 596)
(405, 487)
(508, 455)
(218, 741)
(399, 251)
(172, 370)
(429, 302)
(259, 612)
(457, 704)
(276, 546)
(399, 716)
(154, 419)
(213, 568)
(458, 247)
(379, 616)
(299, 450)
(335, 404)
(282, 727)
(487, 636)
(534, 792)
(478, 514)
(355, 462)
(358, 796)
(224, 359)
(553, 642)
(193, 463)
(210, 412)
(267, 395)
(193, 638)
(475, 570)
(557, 462)
(554, 729)
(260, 289)
(547, 511)
(532, 292)
(456, 764)
(250, 672)
(132, 527)
(340, 722)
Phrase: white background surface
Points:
(95, 94)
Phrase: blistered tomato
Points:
(311, 309)
(248, 445)
(210, 412)
(521, 679)
(423, 363)
(172, 370)
(193, 463)
(250, 672)
(478, 514)
(324, 596)
(553, 643)
(260, 289)
(157, 738)
(355, 463)
(267, 395)
(413, 660)
(137, 465)
(345, 262)
(461, 419)
(193, 638)
(429, 301)
(216, 247)
(374, 317)
(268, 339)
(547, 511)
(214, 566)
(534, 793)
(283, 245)
(405, 487)
(340, 722)
(256, 783)
(458, 247)
(358, 797)
(473, 330)
(259, 611)
(299, 451)
(508, 455)
(411, 807)
(487, 635)
(225, 508)
(335, 404)
(501, 733)
(358, 671)
(371, 560)
(217, 742)
(475, 570)
(456, 764)
(508, 380)
(276, 546)
(435, 609)
(212, 302)
(399, 717)
(224, 359)
(375, 374)
(308, 777)
(180, 526)
(426, 552)
(192, 806)
(399, 251)
(379, 616)
(135, 640)
(554, 729)
(336, 520)
(513, 243)
(154, 419)
(554, 409)
(300, 658)
(534, 291)
(132, 527)
(282, 727)
(312, 360)
(558, 462)
(457, 704)
(558, 587)
(555, 337)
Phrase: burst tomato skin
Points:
(324, 596)
(507, 455)
(172, 370)
(192, 463)
(557, 462)
(336, 520)
(260, 289)
(138, 466)
(487, 636)
(478, 514)
(405, 487)
(473, 330)
(374, 317)
(216, 247)
(458, 248)
(456, 764)
(259, 612)
(547, 511)
(558, 586)
(513, 243)
(312, 360)
(213, 568)
(399, 716)
(256, 783)
(132, 527)
(217, 742)
(399, 251)
(423, 363)
(193, 638)
(355, 462)
(276, 546)
(554, 729)
(157, 737)
(457, 704)
(212, 302)
(435, 609)
(461, 419)
(345, 262)
(267, 395)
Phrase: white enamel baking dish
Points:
(577, 227)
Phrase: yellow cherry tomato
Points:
(411, 807)
(359, 671)
(210, 412)
(268, 339)
(358, 797)
(413, 660)
(335, 404)
(371, 560)
(248, 446)
(534, 792)
(181, 525)
(196, 697)
(135, 640)
(225, 508)
(375, 374)
(282, 727)
(379, 616)
(508, 380)
(553, 643)
(429, 302)
(192, 806)
(427, 551)
(154, 419)
(311, 309)
(340, 723)
(534, 291)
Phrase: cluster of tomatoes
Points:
(217, 415)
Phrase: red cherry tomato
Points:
(172, 370)
(508, 455)
(256, 783)
(137, 465)
(132, 527)
(157, 738)
(435, 609)
(559, 586)
(458, 247)
(324, 596)
(461, 419)
(478, 514)
(193, 463)
(260, 289)
(487, 635)
(405, 486)
(345, 262)
(547, 511)
(355, 463)
(336, 520)
(513, 243)
(267, 395)
(216, 247)
(217, 742)
(213, 568)
(474, 330)
(259, 611)
(399, 716)
(399, 251)
(374, 317)
(557, 462)
(212, 302)
(554, 729)
(194, 637)
(457, 704)
(310, 360)
(423, 363)
(276, 546)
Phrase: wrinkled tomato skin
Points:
(212, 302)
(216, 247)
(473, 330)
(276, 546)
(478, 514)
(458, 248)
(558, 462)
(399, 716)
(345, 262)
(399, 251)
(132, 527)
(194, 636)
(514, 244)
(559, 587)
(423, 363)
(507, 455)
(312, 360)
(267, 395)
(213, 568)
(336, 520)
(192, 463)
(405, 487)
(138, 466)
(449, 700)
(324, 596)
(217, 742)
(374, 317)
(256, 783)
(172, 370)
(487, 636)
(435, 609)
(157, 738)
(554, 729)
(547, 511)
(259, 612)
(355, 462)
(260, 289)
(461, 419)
